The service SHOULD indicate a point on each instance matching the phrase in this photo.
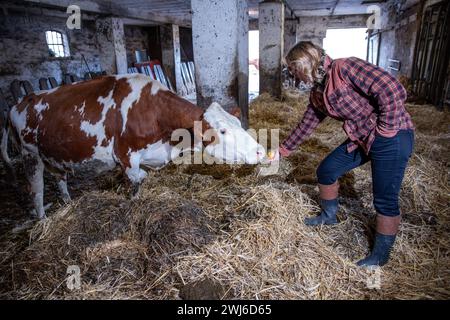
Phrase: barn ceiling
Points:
(179, 11)
(181, 8)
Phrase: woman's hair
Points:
(306, 58)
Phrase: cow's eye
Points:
(223, 131)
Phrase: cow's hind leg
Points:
(62, 186)
(34, 170)
(7, 161)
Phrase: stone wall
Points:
(25, 55)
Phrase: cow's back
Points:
(72, 123)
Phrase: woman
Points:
(370, 103)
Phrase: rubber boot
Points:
(381, 251)
(329, 205)
(387, 228)
(328, 214)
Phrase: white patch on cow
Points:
(154, 156)
(105, 154)
(19, 121)
(157, 155)
(137, 82)
(156, 86)
(39, 107)
(81, 110)
(97, 130)
(135, 173)
(46, 91)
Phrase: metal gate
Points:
(429, 74)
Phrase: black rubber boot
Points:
(328, 214)
(381, 251)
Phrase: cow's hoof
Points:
(66, 199)
(135, 192)
(37, 216)
(48, 206)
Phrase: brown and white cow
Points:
(126, 120)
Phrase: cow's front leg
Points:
(34, 170)
(135, 174)
(62, 186)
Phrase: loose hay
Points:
(214, 232)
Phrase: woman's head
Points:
(305, 61)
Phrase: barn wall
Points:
(398, 37)
(25, 54)
(136, 38)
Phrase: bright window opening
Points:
(57, 44)
(253, 71)
(344, 43)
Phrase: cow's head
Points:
(228, 141)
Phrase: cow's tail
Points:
(6, 129)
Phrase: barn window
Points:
(57, 44)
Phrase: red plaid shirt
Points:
(365, 97)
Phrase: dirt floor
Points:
(221, 231)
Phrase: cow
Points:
(124, 120)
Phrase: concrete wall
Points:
(271, 46)
(220, 34)
(290, 34)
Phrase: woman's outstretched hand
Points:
(284, 152)
(271, 163)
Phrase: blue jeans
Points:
(388, 158)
